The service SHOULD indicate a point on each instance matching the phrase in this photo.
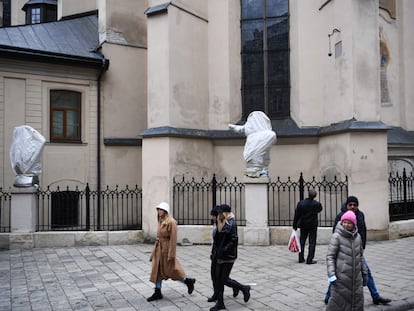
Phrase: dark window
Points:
(6, 14)
(65, 206)
(40, 12)
(65, 116)
(265, 57)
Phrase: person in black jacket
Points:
(306, 218)
(352, 204)
(224, 251)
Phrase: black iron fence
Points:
(193, 200)
(121, 209)
(284, 196)
(5, 204)
(401, 196)
(84, 210)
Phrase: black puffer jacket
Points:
(362, 229)
(226, 241)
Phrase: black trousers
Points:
(213, 275)
(222, 277)
(304, 234)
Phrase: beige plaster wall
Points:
(158, 61)
(368, 177)
(25, 101)
(224, 61)
(122, 166)
(407, 63)
(123, 22)
(285, 160)
(14, 111)
(124, 91)
(389, 31)
(327, 89)
(72, 7)
(166, 158)
(156, 181)
(177, 47)
(18, 16)
(363, 158)
(188, 70)
(308, 56)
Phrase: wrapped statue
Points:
(25, 155)
(260, 138)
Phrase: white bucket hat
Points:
(164, 206)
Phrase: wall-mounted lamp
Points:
(329, 39)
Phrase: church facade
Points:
(140, 92)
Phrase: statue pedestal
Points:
(256, 231)
(23, 210)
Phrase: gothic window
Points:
(265, 57)
(65, 116)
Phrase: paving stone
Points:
(115, 277)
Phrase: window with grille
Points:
(65, 116)
(35, 15)
(265, 57)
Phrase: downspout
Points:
(104, 67)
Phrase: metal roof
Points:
(75, 38)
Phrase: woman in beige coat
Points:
(165, 265)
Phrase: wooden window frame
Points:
(64, 137)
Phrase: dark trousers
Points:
(213, 275)
(304, 234)
(222, 277)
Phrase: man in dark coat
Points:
(352, 204)
(306, 218)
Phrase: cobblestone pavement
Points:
(116, 278)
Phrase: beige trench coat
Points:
(164, 262)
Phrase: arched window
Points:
(265, 57)
(65, 116)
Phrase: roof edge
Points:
(50, 57)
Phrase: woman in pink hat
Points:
(346, 272)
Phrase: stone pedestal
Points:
(23, 210)
(256, 231)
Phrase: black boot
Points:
(235, 291)
(218, 306)
(212, 298)
(246, 293)
(190, 284)
(157, 295)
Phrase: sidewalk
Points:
(116, 278)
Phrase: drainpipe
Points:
(104, 67)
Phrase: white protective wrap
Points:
(26, 150)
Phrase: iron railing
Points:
(284, 196)
(401, 196)
(72, 210)
(193, 200)
(5, 205)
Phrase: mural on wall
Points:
(385, 58)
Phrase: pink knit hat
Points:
(349, 215)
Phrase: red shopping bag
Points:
(294, 244)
